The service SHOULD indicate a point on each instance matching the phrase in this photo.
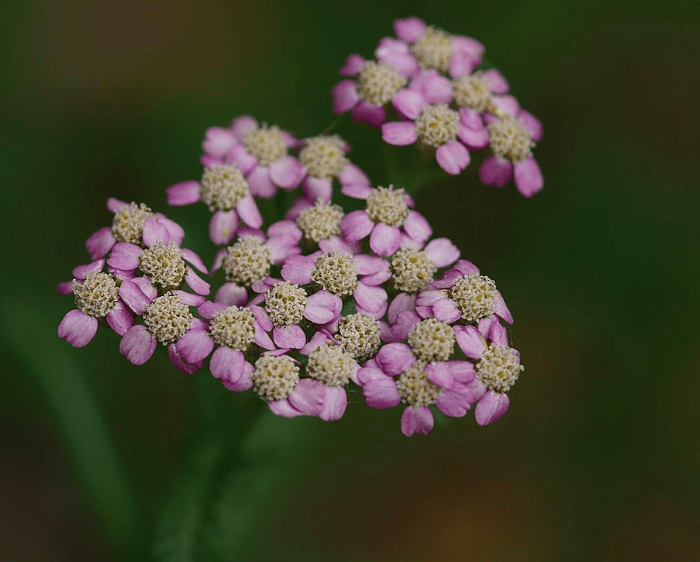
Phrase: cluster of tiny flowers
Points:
(333, 296)
(428, 87)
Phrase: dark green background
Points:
(598, 458)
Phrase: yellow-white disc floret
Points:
(510, 139)
(265, 143)
(222, 187)
(359, 335)
(164, 264)
(233, 327)
(378, 82)
(433, 50)
(411, 270)
(335, 272)
(274, 378)
(285, 303)
(387, 205)
(472, 91)
(167, 318)
(437, 124)
(475, 296)
(128, 222)
(97, 294)
(331, 365)
(321, 221)
(499, 368)
(247, 261)
(415, 388)
(431, 340)
(323, 156)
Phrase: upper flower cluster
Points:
(445, 100)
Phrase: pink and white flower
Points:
(258, 151)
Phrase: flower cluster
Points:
(335, 295)
(444, 99)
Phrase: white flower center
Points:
(274, 378)
(472, 91)
(387, 205)
(285, 303)
(415, 388)
(336, 273)
(433, 50)
(359, 335)
(321, 221)
(331, 365)
(475, 296)
(323, 156)
(411, 270)
(97, 295)
(437, 124)
(431, 340)
(499, 368)
(265, 143)
(378, 82)
(247, 261)
(164, 264)
(127, 224)
(222, 187)
(167, 318)
(510, 140)
(233, 327)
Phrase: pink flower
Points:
(387, 220)
(224, 189)
(96, 296)
(258, 151)
(420, 46)
(376, 84)
(497, 369)
(133, 223)
(448, 131)
(512, 133)
(341, 274)
(165, 266)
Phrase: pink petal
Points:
(405, 322)
(471, 119)
(260, 183)
(154, 230)
(404, 63)
(385, 239)
(453, 157)
(323, 307)
(417, 227)
(440, 374)
(230, 293)
(218, 141)
(180, 363)
(195, 345)
(227, 364)
(308, 397)
(317, 340)
(462, 371)
(138, 345)
(353, 65)
(502, 309)
(468, 45)
(134, 297)
(284, 409)
(395, 358)
(380, 393)
(356, 225)
(377, 278)
(473, 138)
(82, 271)
(507, 103)
(528, 177)
(289, 337)
(297, 269)
(356, 191)
(497, 83)
(175, 232)
(491, 407)
(366, 264)
(470, 341)
(77, 328)
(334, 405)
(208, 309)
(442, 252)
(100, 243)
(287, 172)
(120, 318)
(124, 256)
(317, 188)
(401, 302)
(65, 288)
(531, 123)
(445, 310)
(146, 287)
(248, 212)
(369, 298)
(344, 96)
(416, 420)
(351, 174)
(196, 283)
(261, 317)
(498, 334)
(408, 103)
(285, 228)
(495, 171)
(245, 382)
(453, 403)
(183, 193)
(474, 390)
(399, 133)
(365, 112)
(462, 63)
(242, 159)
(409, 29)
(194, 259)
(113, 205)
(189, 299)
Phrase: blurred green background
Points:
(598, 458)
